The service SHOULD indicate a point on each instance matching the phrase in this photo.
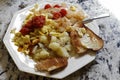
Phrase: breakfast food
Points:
(54, 33)
(52, 64)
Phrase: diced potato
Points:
(43, 39)
(65, 34)
(41, 54)
(44, 54)
(62, 52)
(68, 47)
(54, 46)
(64, 39)
(53, 39)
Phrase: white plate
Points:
(24, 63)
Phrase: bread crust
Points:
(89, 40)
(95, 40)
(51, 64)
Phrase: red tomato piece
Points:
(56, 6)
(28, 24)
(47, 6)
(63, 12)
(25, 30)
(56, 15)
(38, 21)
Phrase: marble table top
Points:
(106, 65)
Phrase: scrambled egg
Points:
(51, 40)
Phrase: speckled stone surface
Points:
(106, 66)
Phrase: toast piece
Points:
(91, 41)
(75, 40)
(82, 39)
(51, 64)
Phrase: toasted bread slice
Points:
(82, 39)
(75, 40)
(51, 64)
(91, 41)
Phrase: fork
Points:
(96, 17)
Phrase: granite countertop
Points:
(106, 65)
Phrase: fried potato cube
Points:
(54, 46)
(43, 39)
(54, 39)
(62, 52)
(41, 54)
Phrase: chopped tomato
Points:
(28, 24)
(47, 6)
(56, 6)
(25, 30)
(38, 21)
(56, 15)
(63, 12)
